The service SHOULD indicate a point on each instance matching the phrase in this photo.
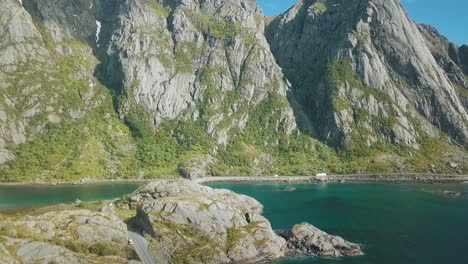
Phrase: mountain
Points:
(364, 71)
(152, 88)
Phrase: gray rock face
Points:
(197, 224)
(47, 252)
(363, 70)
(463, 56)
(45, 75)
(16, 31)
(307, 239)
(451, 58)
(175, 58)
(196, 167)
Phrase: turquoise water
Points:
(396, 224)
(28, 195)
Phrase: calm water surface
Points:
(396, 224)
(28, 195)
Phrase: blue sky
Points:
(450, 17)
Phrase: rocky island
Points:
(181, 222)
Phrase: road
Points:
(142, 248)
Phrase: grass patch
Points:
(319, 7)
(124, 214)
(460, 90)
(160, 10)
(193, 247)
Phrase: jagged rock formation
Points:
(307, 239)
(451, 58)
(364, 72)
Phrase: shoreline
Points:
(408, 178)
(80, 182)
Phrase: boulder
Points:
(307, 239)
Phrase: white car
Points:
(130, 242)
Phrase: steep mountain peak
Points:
(368, 66)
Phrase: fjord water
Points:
(36, 195)
(404, 224)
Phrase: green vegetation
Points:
(460, 90)
(220, 28)
(233, 236)
(320, 7)
(185, 56)
(195, 247)
(341, 71)
(72, 150)
(100, 249)
(125, 214)
(215, 27)
(159, 10)
(340, 104)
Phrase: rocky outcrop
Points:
(307, 239)
(78, 236)
(196, 167)
(364, 72)
(197, 224)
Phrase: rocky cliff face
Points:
(451, 58)
(364, 71)
(195, 60)
(50, 98)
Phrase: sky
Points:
(450, 17)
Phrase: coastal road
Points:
(142, 248)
